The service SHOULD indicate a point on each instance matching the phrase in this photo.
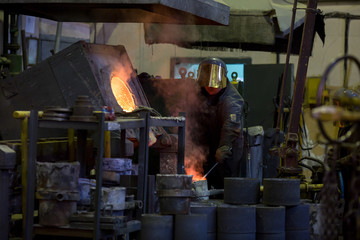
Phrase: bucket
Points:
(201, 191)
(174, 192)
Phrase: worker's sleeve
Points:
(232, 120)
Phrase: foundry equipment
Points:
(289, 153)
(342, 156)
(96, 71)
(103, 76)
(93, 79)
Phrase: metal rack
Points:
(143, 123)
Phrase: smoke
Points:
(183, 95)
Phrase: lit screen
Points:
(192, 67)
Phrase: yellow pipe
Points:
(305, 186)
(311, 187)
(107, 143)
(25, 114)
(24, 160)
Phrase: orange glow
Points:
(192, 170)
(122, 94)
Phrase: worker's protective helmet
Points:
(212, 73)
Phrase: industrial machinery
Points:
(70, 86)
(340, 195)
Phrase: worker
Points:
(221, 122)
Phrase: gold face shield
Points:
(211, 75)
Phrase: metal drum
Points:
(237, 236)
(236, 222)
(174, 192)
(298, 222)
(298, 217)
(241, 190)
(298, 234)
(271, 236)
(190, 227)
(270, 219)
(281, 192)
(156, 227)
(209, 210)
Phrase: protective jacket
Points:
(222, 125)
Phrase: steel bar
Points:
(306, 45)
(99, 172)
(143, 161)
(181, 147)
(24, 159)
(209, 171)
(4, 201)
(290, 160)
(7, 162)
(283, 83)
(28, 218)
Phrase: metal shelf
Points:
(100, 127)
(132, 226)
(143, 123)
(68, 124)
(167, 121)
(124, 123)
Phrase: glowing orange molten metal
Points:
(122, 94)
(191, 170)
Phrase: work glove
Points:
(222, 153)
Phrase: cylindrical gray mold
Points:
(174, 192)
(156, 227)
(210, 212)
(281, 192)
(236, 219)
(298, 235)
(298, 217)
(271, 236)
(190, 227)
(236, 236)
(270, 219)
(211, 236)
(241, 190)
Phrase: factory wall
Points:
(155, 59)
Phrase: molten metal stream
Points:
(122, 94)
